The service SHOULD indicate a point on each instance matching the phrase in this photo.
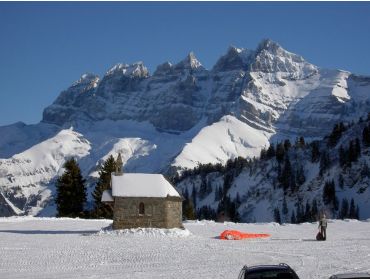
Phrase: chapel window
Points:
(141, 209)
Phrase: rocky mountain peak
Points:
(268, 45)
(163, 69)
(189, 63)
(136, 69)
(86, 81)
(270, 57)
(234, 59)
(76, 95)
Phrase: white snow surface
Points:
(142, 185)
(228, 138)
(75, 248)
(149, 232)
(32, 170)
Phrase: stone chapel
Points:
(142, 200)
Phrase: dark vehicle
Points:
(281, 271)
(355, 275)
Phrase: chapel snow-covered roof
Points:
(142, 185)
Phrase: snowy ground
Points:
(73, 248)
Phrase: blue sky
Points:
(44, 47)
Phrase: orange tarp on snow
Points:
(237, 235)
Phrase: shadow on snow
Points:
(82, 232)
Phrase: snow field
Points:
(75, 248)
(225, 139)
(148, 232)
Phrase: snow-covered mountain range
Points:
(181, 115)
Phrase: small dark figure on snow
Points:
(322, 226)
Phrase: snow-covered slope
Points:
(75, 248)
(228, 138)
(184, 114)
(260, 187)
(27, 176)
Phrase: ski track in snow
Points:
(73, 248)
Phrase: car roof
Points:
(264, 267)
(354, 275)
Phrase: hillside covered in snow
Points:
(290, 181)
(76, 248)
(177, 117)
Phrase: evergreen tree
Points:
(300, 177)
(314, 211)
(279, 174)
(366, 136)
(315, 151)
(280, 152)
(188, 210)
(209, 188)
(285, 208)
(300, 213)
(324, 162)
(270, 151)
(293, 185)
(336, 202)
(221, 192)
(240, 164)
(301, 142)
(232, 211)
(277, 217)
(365, 171)
(188, 207)
(286, 173)
(352, 151)
(263, 154)
(71, 191)
(194, 197)
(237, 200)
(343, 214)
(287, 145)
(357, 212)
(342, 156)
(352, 210)
(357, 148)
(308, 213)
(218, 194)
(186, 194)
(293, 219)
(228, 208)
(102, 210)
(336, 134)
(227, 184)
(203, 188)
(329, 194)
(341, 181)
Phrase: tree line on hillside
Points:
(290, 177)
(227, 207)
